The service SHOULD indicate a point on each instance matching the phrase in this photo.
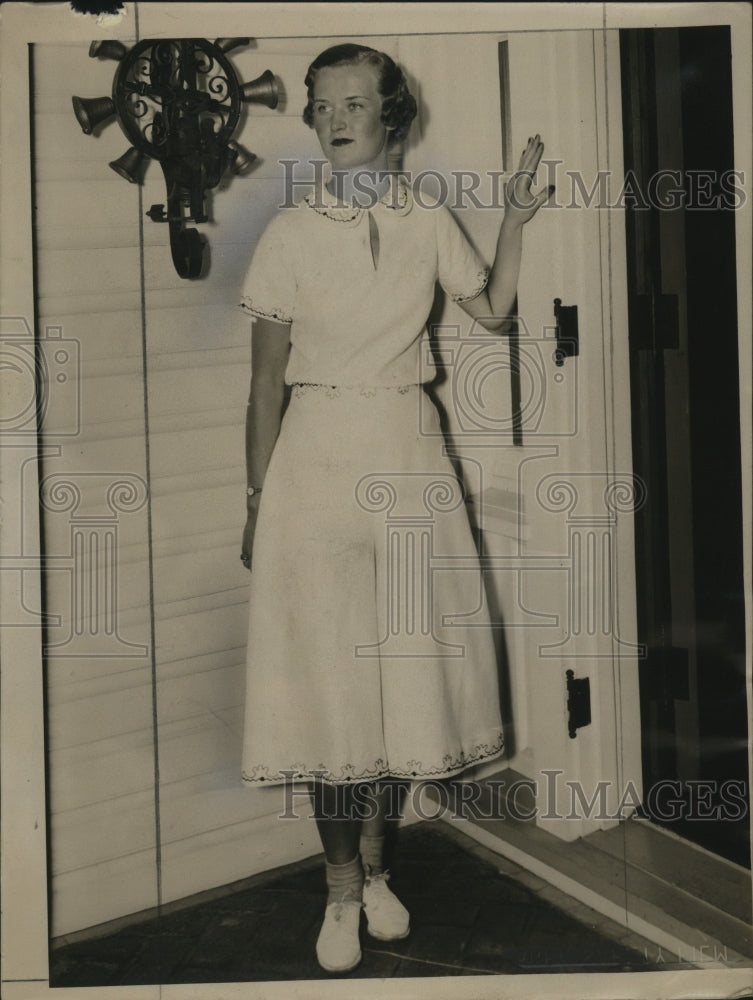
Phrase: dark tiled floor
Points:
(466, 917)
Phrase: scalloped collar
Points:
(326, 204)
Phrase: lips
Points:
(341, 142)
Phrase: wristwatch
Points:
(251, 491)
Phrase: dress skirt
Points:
(370, 651)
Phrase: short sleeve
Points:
(461, 273)
(269, 287)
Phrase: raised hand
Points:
(521, 203)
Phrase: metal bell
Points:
(262, 90)
(91, 111)
(130, 165)
(107, 50)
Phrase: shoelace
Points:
(349, 896)
(379, 879)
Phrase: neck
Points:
(362, 183)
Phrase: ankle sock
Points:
(344, 880)
(372, 851)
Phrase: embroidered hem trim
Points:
(278, 314)
(482, 278)
(261, 775)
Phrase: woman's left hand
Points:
(521, 204)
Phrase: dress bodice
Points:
(353, 323)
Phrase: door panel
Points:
(567, 604)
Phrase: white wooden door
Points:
(573, 593)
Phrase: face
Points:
(347, 117)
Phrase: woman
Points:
(357, 673)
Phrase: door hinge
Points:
(565, 332)
(578, 703)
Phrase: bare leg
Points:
(336, 821)
(384, 803)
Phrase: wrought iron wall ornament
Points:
(178, 101)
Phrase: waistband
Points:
(299, 389)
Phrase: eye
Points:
(320, 108)
(355, 106)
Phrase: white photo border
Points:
(24, 848)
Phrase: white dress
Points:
(370, 652)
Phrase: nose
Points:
(338, 121)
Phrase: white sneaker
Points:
(387, 918)
(338, 948)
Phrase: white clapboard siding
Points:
(103, 836)
(234, 851)
(103, 891)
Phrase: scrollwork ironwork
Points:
(179, 102)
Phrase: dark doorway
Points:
(680, 194)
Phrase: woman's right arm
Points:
(269, 357)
